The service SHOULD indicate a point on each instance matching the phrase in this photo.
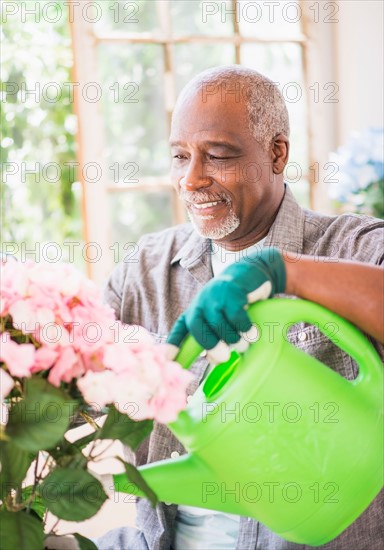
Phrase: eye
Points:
(179, 156)
(213, 157)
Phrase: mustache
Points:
(203, 196)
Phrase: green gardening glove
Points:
(219, 311)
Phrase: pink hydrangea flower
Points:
(28, 317)
(14, 284)
(6, 384)
(76, 336)
(19, 358)
(98, 389)
(67, 366)
(44, 359)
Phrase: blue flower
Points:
(360, 162)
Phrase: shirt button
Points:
(303, 336)
(174, 454)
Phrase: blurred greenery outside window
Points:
(41, 199)
(145, 52)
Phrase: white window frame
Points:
(316, 35)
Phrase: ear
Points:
(280, 153)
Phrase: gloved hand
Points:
(219, 311)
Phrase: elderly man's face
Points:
(222, 174)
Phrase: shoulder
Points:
(348, 222)
(349, 236)
(152, 253)
(155, 249)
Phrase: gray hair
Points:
(267, 112)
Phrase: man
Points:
(229, 144)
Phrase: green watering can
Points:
(276, 435)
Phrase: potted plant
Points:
(359, 186)
(64, 356)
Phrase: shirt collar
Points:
(193, 250)
(194, 256)
(287, 231)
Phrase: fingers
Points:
(241, 321)
(209, 326)
(252, 335)
(222, 352)
(247, 338)
(171, 351)
(219, 354)
(241, 346)
(221, 319)
(178, 332)
(260, 293)
(221, 323)
(203, 330)
(214, 337)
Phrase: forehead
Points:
(200, 116)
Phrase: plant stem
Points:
(54, 527)
(34, 483)
(89, 419)
(42, 469)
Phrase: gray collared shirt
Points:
(153, 288)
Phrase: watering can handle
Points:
(347, 337)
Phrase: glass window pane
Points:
(282, 63)
(191, 59)
(201, 17)
(136, 129)
(269, 19)
(41, 197)
(135, 213)
(124, 17)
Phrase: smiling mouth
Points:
(205, 205)
(207, 210)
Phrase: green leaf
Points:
(83, 441)
(20, 531)
(68, 455)
(41, 419)
(121, 426)
(84, 543)
(72, 495)
(37, 503)
(135, 477)
(14, 465)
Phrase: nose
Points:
(197, 175)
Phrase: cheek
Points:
(229, 174)
(252, 173)
(243, 174)
(175, 176)
(247, 197)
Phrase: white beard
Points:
(227, 226)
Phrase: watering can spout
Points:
(166, 478)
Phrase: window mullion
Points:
(236, 30)
(90, 141)
(164, 11)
